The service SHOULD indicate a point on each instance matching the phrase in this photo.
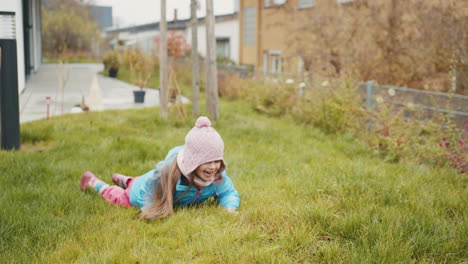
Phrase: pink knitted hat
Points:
(202, 144)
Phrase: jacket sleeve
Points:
(228, 196)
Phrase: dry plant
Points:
(411, 43)
(140, 65)
(63, 74)
(175, 95)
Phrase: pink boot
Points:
(88, 179)
(120, 180)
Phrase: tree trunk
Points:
(195, 66)
(211, 78)
(163, 62)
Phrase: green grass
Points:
(183, 81)
(71, 60)
(125, 75)
(305, 197)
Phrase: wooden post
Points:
(211, 76)
(370, 94)
(370, 100)
(195, 66)
(163, 89)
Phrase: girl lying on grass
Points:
(190, 174)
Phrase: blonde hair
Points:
(163, 195)
(164, 190)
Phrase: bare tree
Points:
(444, 31)
(195, 66)
(211, 78)
(418, 42)
(320, 36)
(411, 42)
(163, 80)
(61, 36)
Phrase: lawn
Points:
(306, 197)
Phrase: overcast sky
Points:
(135, 12)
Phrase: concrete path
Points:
(69, 86)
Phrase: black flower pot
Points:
(113, 73)
(139, 96)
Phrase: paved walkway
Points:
(81, 84)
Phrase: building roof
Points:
(180, 24)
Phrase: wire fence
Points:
(426, 103)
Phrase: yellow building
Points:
(261, 45)
(264, 34)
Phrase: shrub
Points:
(337, 108)
(230, 86)
(224, 60)
(456, 152)
(272, 97)
(177, 45)
(395, 138)
(141, 66)
(111, 60)
(333, 107)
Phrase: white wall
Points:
(37, 39)
(143, 40)
(16, 6)
(228, 29)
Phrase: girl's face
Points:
(207, 171)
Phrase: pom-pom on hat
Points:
(202, 144)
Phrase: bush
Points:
(111, 60)
(405, 134)
(332, 107)
(177, 45)
(141, 66)
(68, 27)
(337, 108)
(456, 151)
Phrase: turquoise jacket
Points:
(141, 191)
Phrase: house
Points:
(262, 46)
(226, 34)
(143, 36)
(20, 55)
(264, 30)
(25, 17)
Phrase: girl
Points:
(189, 174)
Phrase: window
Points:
(222, 47)
(249, 26)
(276, 64)
(276, 61)
(306, 3)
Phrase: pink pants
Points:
(118, 195)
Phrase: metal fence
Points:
(426, 103)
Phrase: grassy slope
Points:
(306, 197)
(125, 75)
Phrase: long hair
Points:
(163, 195)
